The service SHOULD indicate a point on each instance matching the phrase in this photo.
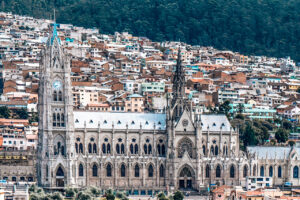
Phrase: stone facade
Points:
(18, 166)
(142, 152)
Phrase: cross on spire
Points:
(54, 31)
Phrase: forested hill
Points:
(261, 27)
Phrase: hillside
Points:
(261, 27)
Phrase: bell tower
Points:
(56, 125)
(179, 100)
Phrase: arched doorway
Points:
(60, 177)
(186, 178)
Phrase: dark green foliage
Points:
(121, 195)
(287, 125)
(298, 90)
(4, 112)
(109, 195)
(225, 107)
(249, 136)
(269, 27)
(282, 135)
(34, 117)
(178, 195)
(240, 116)
(57, 196)
(292, 143)
(22, 113)
(95, 192)
(70, 192)
(162, 196)
(83, 196)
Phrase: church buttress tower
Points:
(56, 125)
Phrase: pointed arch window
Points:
(245, 171)
(158, 150)
(207, 171)
(150, 171)
(136, 171)
(296, 172)
(123, 170)
(80, 170)
(122, 148)
(54, 119)
(216, 150)
(59, 96)
(118, 148)
(131, 149)
(104, 148)
(185, 145)
(163, 150)
(161, 171)
(279, 172)
(232, 171)
(47, 172)
(108, 170)
(254, 170)
(90, 148)
(271, 171)
(94, 148)
(262, 171)
(95, 170)
(54, 95)
(218, 172)
(145, 149)
(62, 120)
(58, 119)
(62, 150)
(108, 148)
(80, 148)
(60, 172)
(203, 149)
(149, 149)
(136, 149)
(212, 150)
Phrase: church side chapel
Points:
(141, 153)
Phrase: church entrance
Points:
(185, 179)
(60, 178)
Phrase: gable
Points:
(185, 122)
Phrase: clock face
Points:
(56, 85)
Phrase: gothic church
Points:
(138, 152)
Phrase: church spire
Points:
(54, 34)
(178, 80)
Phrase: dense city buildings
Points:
(79, 108)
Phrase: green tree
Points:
(282, 135)
(22, 113)
(225, 107)
(287, 125)
(162, 196)
(57, 196)
(4, 112)
(109, 195)
(249, 138)
(178, 195)
(292, 143)
(241, 108)
(121, 196)
(298, 90)
(95, 192)
(83, 196)
(70, 192)
(188, 21)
